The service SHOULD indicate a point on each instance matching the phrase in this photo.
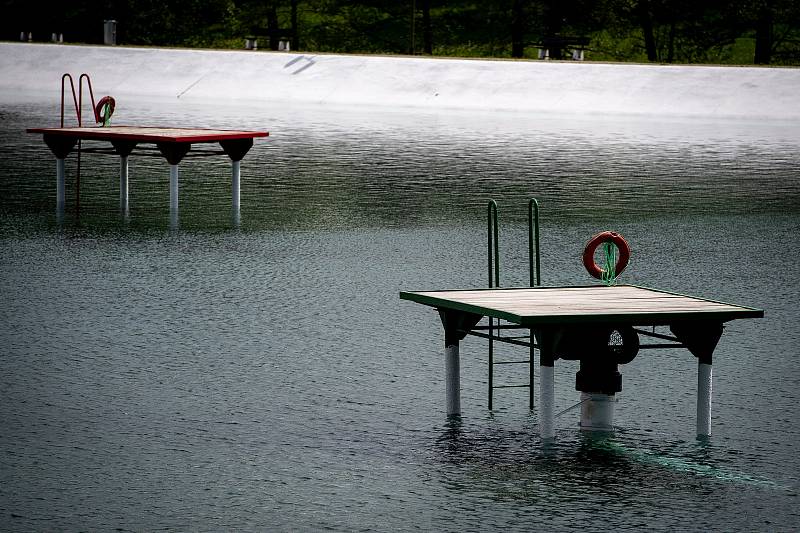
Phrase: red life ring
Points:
(99, 114)
(597, 240)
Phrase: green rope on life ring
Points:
(609, 274)
(104, 110)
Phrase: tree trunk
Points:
(646, 22)
(272, 26)
(552, 27)
(671, 42)
(763, 52)
(295, 36)
(427, 32)
(517, 28)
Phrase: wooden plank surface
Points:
(624, 303)
(151, 134)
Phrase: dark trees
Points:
(518, 27)
(427, 30)
(777, 30)
(687, 31)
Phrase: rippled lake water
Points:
(265, 375)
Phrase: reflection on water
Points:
(324, 169)
(211, 377)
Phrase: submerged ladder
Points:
(535, 279)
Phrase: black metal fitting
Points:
(60, 146)
(618, 344)
(598, 376)
(457, 324)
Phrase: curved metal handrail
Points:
(494, 246)
(534, 257)
(74, 98)
(91, 95)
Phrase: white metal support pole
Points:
(173, 188)
(701, 339)
(123, 184)
(452, 379)
(173, 196)
(60, 194)
(547, 401)
(235, 184)
(704, 379)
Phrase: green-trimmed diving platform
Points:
(600, 326)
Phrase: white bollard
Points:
(123, 184)
(235, 184)
(60, 194)
(704, 379)
(597, 411)
(547, 402)
(452, 380)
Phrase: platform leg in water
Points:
(701, 339)
(60, 183)
(236, 150)
(547, 400)
(452, 368)
(173, 195)
(456, 325)
(704, 378)
(123, 185)
(173, 153)
(235, 183)
(61, 147)
(236, 167)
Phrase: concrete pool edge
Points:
(231, 76)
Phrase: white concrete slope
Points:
(517, 86)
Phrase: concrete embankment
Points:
(430, 83)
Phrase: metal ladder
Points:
(78, 101)
(494, 281)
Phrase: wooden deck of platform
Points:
(148, 134)
(622, 304)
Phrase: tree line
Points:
(665, 31)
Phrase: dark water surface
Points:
(265, 376)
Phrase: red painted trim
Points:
(191, 135)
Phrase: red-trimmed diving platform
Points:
(174, 144)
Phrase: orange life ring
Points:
(597, 240)
(99, 115)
